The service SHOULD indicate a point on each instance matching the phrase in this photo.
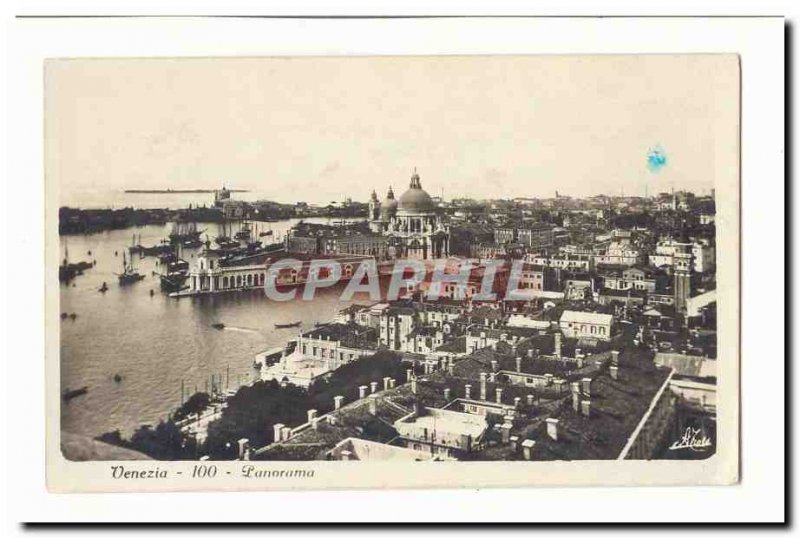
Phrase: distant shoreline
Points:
(172, 191)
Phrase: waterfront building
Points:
(320, 351)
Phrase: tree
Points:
(196, 404)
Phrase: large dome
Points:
(415, 199)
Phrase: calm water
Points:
(157, 342)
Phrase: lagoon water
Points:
(155, 343)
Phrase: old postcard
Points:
(392, 272)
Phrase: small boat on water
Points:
(219, 326)
(288, 325)
(74, 393)
(64, 315)
(73, 316)
(129, 274)
(117, 378)
(103, 288)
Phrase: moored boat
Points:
(74, 393)
(288, 325)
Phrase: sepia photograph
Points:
(419, 261)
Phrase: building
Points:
(591, 325)
(536, 278)
(619, 253)
(320, 351)
(632, 278)
(413, 223)
(533, 236)
(565, 261)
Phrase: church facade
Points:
(413, 223)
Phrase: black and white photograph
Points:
(384, 259)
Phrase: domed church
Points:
(413, 220)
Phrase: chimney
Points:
(499, 393)
(409, 374)
(312, 414)
(362, 391)
(576, 396)
(517, 401)
(492, 377)
(450, 367)
(614, 371)
(337, 402)
(391, 383)
(519, 364)
(494, 366)
(514, 442)
(577, 352)
(552, 428)
(286, 433)
(244, 445)
(332, 419)
(483, 385)
(373, 387)
(615, 358)
(514, 347)
(414, 385)
(315, 423)
(529, 399)
(530, 353)
(527, 448)
(468, 391)
(373, 405)
(548, 379)
(557, 351)
(587, 385)
(586, 408)
(386, 383)
(276, 432)
(579, 362)
(447, 394)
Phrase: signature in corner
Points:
(693, 439)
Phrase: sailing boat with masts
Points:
(129, 274)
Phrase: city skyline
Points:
(469, 124)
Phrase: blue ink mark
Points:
(656, 159)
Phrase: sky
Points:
(322, 129)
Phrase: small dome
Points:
(389, 205)
(415, 199)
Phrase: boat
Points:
(288, 325)
(244, 232)
(173, 281)
(129, 274)
(117, 378)
(219, 326)
(157, 250)
(64, 315)
(103, 288)
(67, 271)
(183, 232)
(74, 393)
